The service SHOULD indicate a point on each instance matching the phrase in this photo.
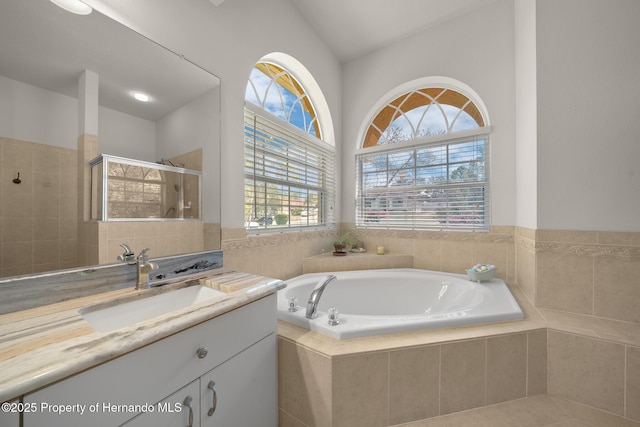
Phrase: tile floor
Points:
(536, 411)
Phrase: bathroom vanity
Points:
(210, 364)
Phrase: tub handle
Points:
(333, 314)
(293, 304)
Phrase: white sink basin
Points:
(118, 316)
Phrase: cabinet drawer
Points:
(151, 373)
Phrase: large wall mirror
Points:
(45, 51)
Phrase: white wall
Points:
(125, 135)
(191, 127)
(29, 113)
(526, 117)
(476, 49)
(588, 114)
(227, 41)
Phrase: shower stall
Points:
(125, 189)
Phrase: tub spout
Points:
(314, 298)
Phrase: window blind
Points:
(289, 175)
(438, 186)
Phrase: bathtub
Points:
(373, 302)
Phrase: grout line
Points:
(624, 383)
(526, 368)
(593, 286)
(388, 387)
(486, 363)
(439, 379)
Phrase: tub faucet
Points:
(314, 298)
(144, 266)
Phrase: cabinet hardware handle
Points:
(202, 352)
(212, 386)
(188, 403)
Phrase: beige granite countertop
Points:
(45, 344)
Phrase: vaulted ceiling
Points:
(352, 28)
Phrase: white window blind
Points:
(289, 175)
(441, 185)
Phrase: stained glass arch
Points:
(427, 111)
(279, 92)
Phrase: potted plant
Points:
(345, 242)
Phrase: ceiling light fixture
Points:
(73, 6)
(142, 97)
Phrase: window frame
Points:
(326, 191)
(366, 221)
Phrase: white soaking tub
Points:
(372, 302)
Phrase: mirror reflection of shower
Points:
(177, 210)
(132, 189)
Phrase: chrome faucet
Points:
(127, 256)
(314, 298)
(144, 267)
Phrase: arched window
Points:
(424, 163)
(278, 92)
(289, 169)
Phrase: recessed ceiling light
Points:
(142, 97)
(73, 6)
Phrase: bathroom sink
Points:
(114, 317)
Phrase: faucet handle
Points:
(143, 257)
(332, 316)
(128, 254)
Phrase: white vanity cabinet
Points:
(9, 415)
(237, 393)
(240, 345)
(180, 409)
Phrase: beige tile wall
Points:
(447, 251)
(164, 238)
(38, 216)
(595, 372)
(587, 272)
(212, 236)
(390, 387)
(282, 255)
(277, 255)
(355, 261)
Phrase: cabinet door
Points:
(180, 409)
(10, 414)
(243, 390)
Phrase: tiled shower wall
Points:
(38, 216)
